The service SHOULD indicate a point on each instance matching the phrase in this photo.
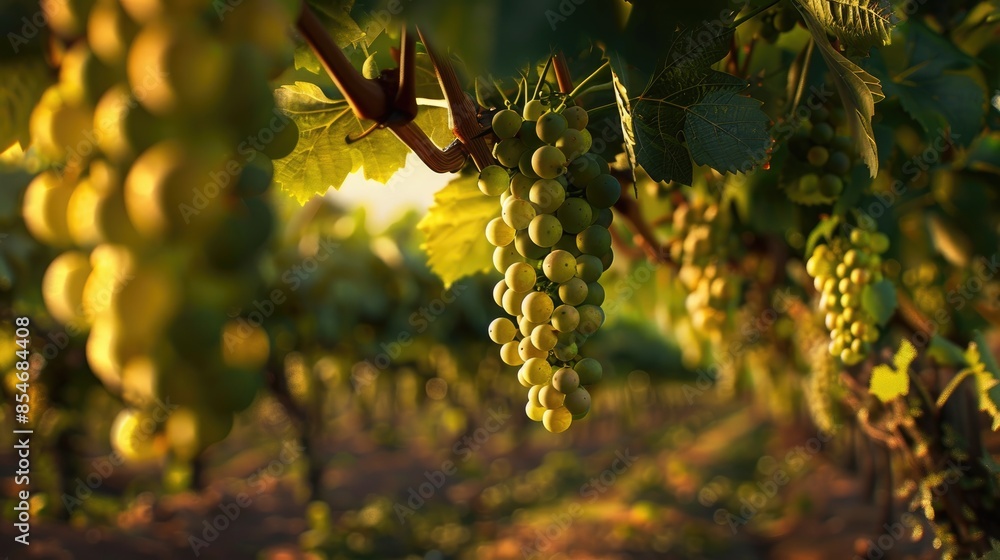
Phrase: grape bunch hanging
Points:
(841, 271)
(552, 246)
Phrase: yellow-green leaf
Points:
(455, 227)
(323, 159)
(889, 382)
(984, 369)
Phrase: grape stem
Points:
(541, 77)
(754, 14)
(576, 91)
(393, 105)
(563, 76)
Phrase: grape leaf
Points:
(677, 94)
(930, 89)
(727, 132)
(618, 80)
(322, 159)
(22, 82)
(879, 300)
(987, 373)
(859, 91)
(945, 351)
(889, 382)
(454, 229)
(861, 24)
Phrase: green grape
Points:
(533, 395)
(549, 397)
(522, 377)
(831, 185)
(512, 302)
(506, 124)
(520, 277)
(839, 164)
(498, 291)
(565, 318)
(565, 352)
(544, 337)
(588, 141)
(785, 20)
(578, 401)
(809, 183)
(525, 246)
(537, 307)
(604, 191)
(503, 257)
(548, 162)
(241, 235)
(559, 266)
(195, 66)
(528, 136)
(589, 370)
(547, 195)
(577, 117)
(557, 421)
(568, 244)
(502, 330)
(526, 326)
(125, 129)
(604, 218)
(602, 164)
(565, 380)
(83, 77)
(607, 259)
(536, 413)
(508, 152)
(591, 319)
(819, 115)
(589, 268)
(517, 213)
(573, 292)
(575, 214)
(520, 186)
(594, 240)
(538, 372)
(525, 165)
(822, 134)
(534, 109)
(545, 230)
(528, 351)
(493, 180)
(550, 127)
(572, 144)
(370, 69)
(595, 294)
(498, 233)
(880, 243)
(582, 171)
(818, 156)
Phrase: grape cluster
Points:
(160, 135)
(695, 247)
(552, 246)
(824, 158)
(841, 270)
(778, 20)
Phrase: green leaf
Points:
(859, 91)
(889, 382)
(861, 24)
(945, 352)
(22, 82)
(879, 300)
(454, 229)
(323, 159)
(727, 132)
(987, 374)
(823, 230)
(336, 18)
(926, 81)
(619, 69)
(673, 97)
